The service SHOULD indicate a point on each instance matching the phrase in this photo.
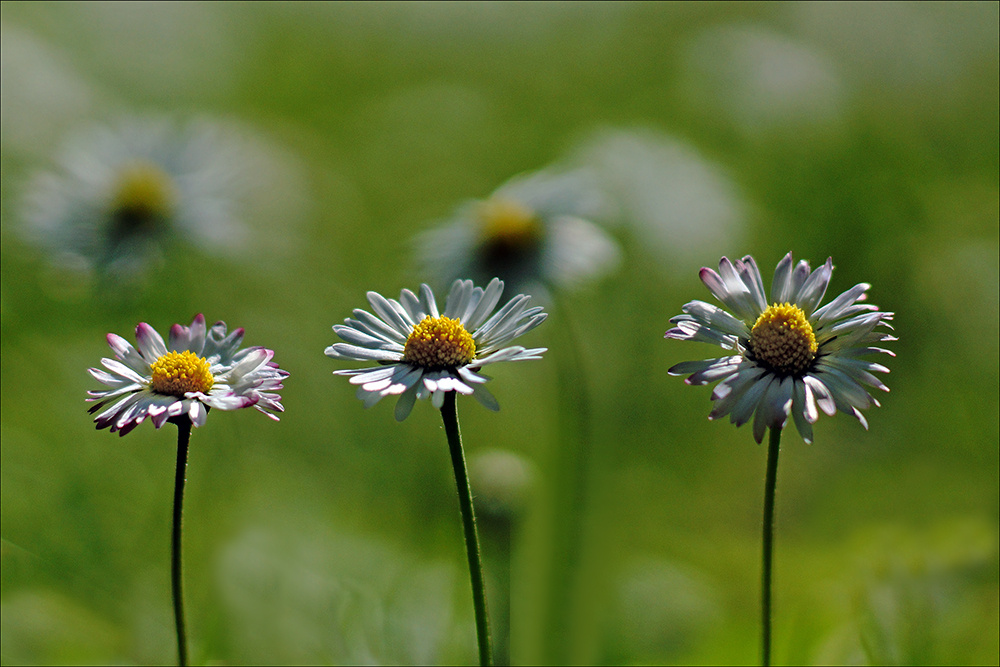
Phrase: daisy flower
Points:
(117, 194)
(426, 353)
(790, 357)
(199, 368)
(534, 232)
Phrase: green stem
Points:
(176, 566)
(573, 474)
(770, 484)
(449, 414)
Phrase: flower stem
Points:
(449, 414)
(770, 484)
(573, 474)
(176, 566)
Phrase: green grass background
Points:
(333, 536)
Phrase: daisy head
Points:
(791, 357)
(197, 369)
(534, 232)
(423, 352)
(118, 194)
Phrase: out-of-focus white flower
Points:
(119, 194)
(200, 369)
(42, 93)
(762, 81)
(534, 232)
(679, 203)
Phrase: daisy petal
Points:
(150, 343)
(405, 404)
(488, 302)
(835, 309)
(814, 288)
(486, 399)
(384, 309)
(804, 410)
(427, 302)
(780, 286)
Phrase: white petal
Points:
(804, 410)
(355, 353)
(824, 399)
(750, 275)
(835, 309)
(491, 296)
(470, 377)
(365, 376)
(408, 300)
(814, 288)
(405, 405)
(197, 413)
(427, 301)
(749, 402)
(486, 399)
(124, 371)
(376, 327)
(716, 318)
(458, 298)
(363, 339)
(150, 342)
(369, 398)
(385, 309)
(780, 284)
(437, 398)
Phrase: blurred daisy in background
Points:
(43, 93)
(763, 82)
(678, 203)
(789, 357)
(119, 195)
(199, 369)
(535, 233)
(426, 353)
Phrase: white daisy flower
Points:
(424, 353)
(790, 357)
(198, 370)
(118, 194)
(534, 232)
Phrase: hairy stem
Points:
(176, 564)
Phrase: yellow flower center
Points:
(178, 372)
(508, 226)
(783, 339)
(143, 195)
(439, 342)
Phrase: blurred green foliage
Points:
(866, 131)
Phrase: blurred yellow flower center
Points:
(178, 372)
(508, 225)
(439, 342)
(143, 194)
(783, 339)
